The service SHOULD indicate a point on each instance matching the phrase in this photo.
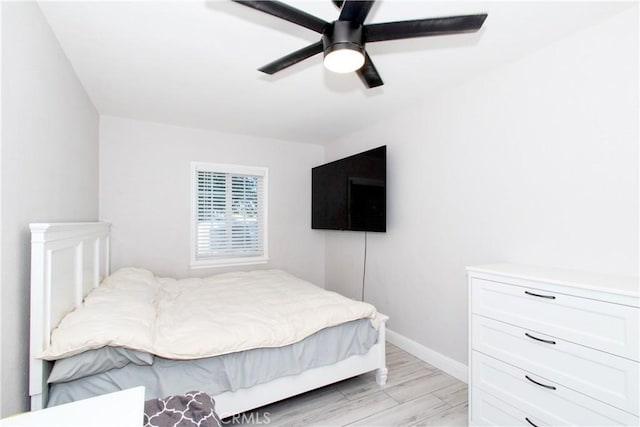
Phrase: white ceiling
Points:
(195, 63)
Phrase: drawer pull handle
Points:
(540, 296)
(539, 339)
(530, 422)
(550, 387)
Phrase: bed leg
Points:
(382, 371)
(381, 376)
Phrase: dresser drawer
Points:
(559, 406)
(488, 410)
(598, 324)
(611, 379)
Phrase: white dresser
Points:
(552, 347)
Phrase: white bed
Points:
(68, 260)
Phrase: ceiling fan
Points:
(343, 41)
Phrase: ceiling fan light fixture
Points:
(343, 46)
(343, 60)
(343, 41)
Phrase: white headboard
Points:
(80, 254)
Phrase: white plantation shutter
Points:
(229, 224)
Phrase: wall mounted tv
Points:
(351, 193)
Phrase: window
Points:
(228, 215)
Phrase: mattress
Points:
(228, 372)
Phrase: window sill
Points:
(228, 262)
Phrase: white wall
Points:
(534, 163)
(49, 169)
(145, 193)
(0, 216)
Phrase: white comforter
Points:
(196, 318)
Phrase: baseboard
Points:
(439, 360)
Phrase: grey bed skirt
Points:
(228, 372)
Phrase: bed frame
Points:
(68, 260)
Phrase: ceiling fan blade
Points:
(292, 58)
(355, 10)
(423, 27)
(287, 13)
(368, 73)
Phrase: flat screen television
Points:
(351, 193)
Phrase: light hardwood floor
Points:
(416, 394)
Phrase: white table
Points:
(123, 409)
